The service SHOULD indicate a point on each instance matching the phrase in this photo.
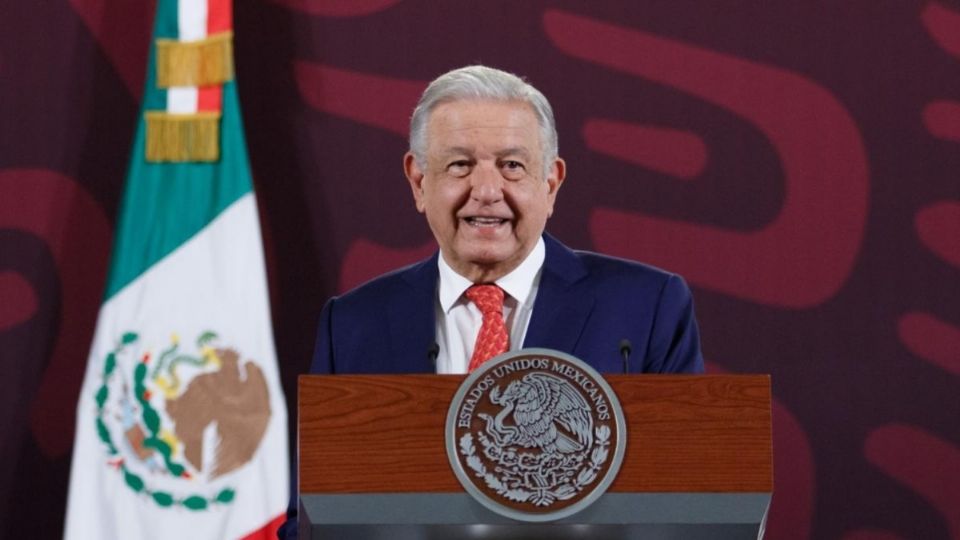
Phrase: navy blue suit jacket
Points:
(586, 305)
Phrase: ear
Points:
(556, 174)
(415, 178)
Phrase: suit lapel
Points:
(563, 305)
(564, 300)
(412, 328)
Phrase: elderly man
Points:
(484, 170)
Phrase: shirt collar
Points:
(518, 283)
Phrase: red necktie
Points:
(492, 339)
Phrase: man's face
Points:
(482, 188)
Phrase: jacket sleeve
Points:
(323, 350)
(675, 341)
(322, 364)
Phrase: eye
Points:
(460, 167)
(513, 168)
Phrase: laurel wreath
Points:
(151, 419)
(543, 497)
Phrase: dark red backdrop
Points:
(798, 163)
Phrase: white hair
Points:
(481, 83)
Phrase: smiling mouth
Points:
(482, 221)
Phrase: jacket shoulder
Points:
(601, 264)
(618, 276)
(388, 286)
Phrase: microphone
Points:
(625, 349)
(432, 353)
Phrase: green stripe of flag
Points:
(164, 27)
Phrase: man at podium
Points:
(484, 170)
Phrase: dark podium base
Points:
(399, 516)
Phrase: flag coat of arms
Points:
(181, 423)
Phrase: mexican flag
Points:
(181, 422)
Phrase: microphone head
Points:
(625, 346)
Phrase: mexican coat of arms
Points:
(535, 435)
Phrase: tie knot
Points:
(488, 298)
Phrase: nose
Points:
(486, 184)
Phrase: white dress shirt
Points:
(458, 319)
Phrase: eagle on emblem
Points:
(534, 407)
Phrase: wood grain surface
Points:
(385, 433)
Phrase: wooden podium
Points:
(373, 462)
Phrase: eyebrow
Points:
(519, 151)
(514, 151)
(456, 150)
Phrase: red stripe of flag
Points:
(210, 98)
(219, 19)
(219, 16)
(268, 531)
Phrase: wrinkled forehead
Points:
(500, 124)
